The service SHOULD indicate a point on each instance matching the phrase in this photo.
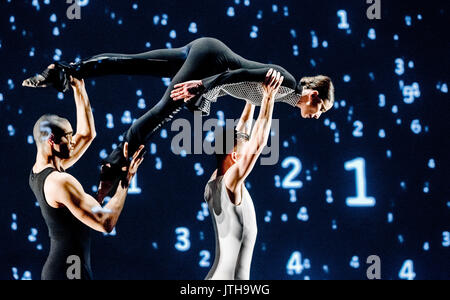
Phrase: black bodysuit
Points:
(68, 236)
(222, 71)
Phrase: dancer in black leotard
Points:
(222, 72)
(67, 210)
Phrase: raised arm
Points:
(251, 151)
(64, 189)
(246, 120)
(85, 123)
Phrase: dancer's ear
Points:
(51, 140)
(125, 151)
(234, 156)
(315, 94)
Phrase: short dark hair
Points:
(223, 147)
(49, 125)
(321, 84)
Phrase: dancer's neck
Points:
(46, 161)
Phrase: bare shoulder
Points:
(57, 188)
(57, 179)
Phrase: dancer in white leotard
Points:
(228, 200)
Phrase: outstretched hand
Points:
(272, 82)
(186, 90)
(76, 83)
(134, 164)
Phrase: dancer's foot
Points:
(112, 174)
(110, 177)
(54, 76)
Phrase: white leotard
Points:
(236, 230)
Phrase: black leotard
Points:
(68, 236)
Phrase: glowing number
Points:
(293, 195)
(294, 265)
(315, 40)
(358, 130)
(342, 14)
(400, 69)
(382, 100)
(83, 3)
(407, 270)
(446, 239)
(109, 121)
(183, 244)
(408, 95)
(221, 117)
(359, 164)
(288, 182)
(204, 262)
(126, 117)
(134, 189)
(411, 92)
(268, 217)
(416, 127)
(372, 34)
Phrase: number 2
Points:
(358, 130)
(288, 182)
(204, 262)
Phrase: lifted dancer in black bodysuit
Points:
(222, 71)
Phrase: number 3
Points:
(183, 244)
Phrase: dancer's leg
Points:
(250, 233)
(164, 62)
(244, 261)
(161, 63)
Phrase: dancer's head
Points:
(229, 147)
(53, 136)
(317, 96)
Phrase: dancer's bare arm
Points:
(246, 120)
(189, 89)
(236, 175)
(62, 189)
(85, 123)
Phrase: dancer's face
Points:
(312, 106)
(62, 147)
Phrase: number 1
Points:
(342, 14)
(134, 189)
(361, 199)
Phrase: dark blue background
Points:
(171, 197)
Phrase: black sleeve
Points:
(240, 75)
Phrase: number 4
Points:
(407, 270)
(294, 265)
